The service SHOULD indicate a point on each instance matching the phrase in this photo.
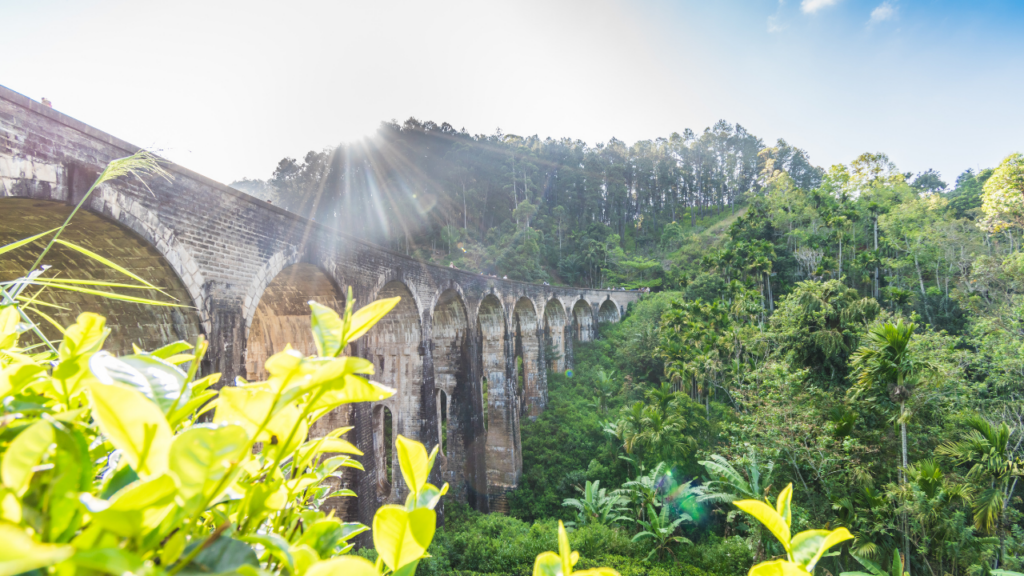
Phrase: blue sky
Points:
(229, 88)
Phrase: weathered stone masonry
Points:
(248, 268)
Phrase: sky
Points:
(229, 88)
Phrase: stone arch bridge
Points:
(467, 353)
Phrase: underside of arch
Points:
(395, 347)
(282, 316)
(609, 312)
(554, 334)
(530, 377)
(583, 321)
(148, 327)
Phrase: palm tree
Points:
(887, 362)
(597, 506)
(986, 447)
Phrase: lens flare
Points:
(568, 373)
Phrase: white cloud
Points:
(812, 6)
(884, 11)
(774, 25)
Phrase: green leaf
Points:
(135, 510)
(123, 477)
(805, 545)
(547, 564)
(25, 452)
(778, 568)
(355, 389)
(327, 328)
(428, 497)
(24, 241)
(249, 408)
(784, 504)
(412, 457)
(104, 261)
(107, 560)
(769, 517)
(165, 352)
(276, 545)
(134, 425)
(173, 548)
(323, 535)
(368, 315)
(158, 380)
(202, 456)
(344, 565)
(84, 337)
(20, 553)
(223, 555)
(834, 537)
(401, 537)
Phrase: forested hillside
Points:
(855, 332)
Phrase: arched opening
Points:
(609, 312)
(458, 432)
(442, 420)
(282, 316)
(394, 345)
(383, 449)
(502, 458)
(554, 335)
(533, 394)
(148, 327)
(583, 321)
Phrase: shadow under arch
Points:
(554, 335)
(528, 369)
(458, 398)
(148, 327)
(395, 347)
(582, 321)
(608, 312)
(282, 315)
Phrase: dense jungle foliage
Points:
(859, 337)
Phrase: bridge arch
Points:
(554, 334)
(608, 312)
(281, 315)
(527, 351)
(583, 321)
(454, 394)
(127, 241)
(395, 347)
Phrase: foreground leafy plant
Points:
(804, 550)
(105, 468)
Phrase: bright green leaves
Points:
(561, 564)
(803, 550)
(332, 333)
(367, 316)
(24, 454)
(254, 410)
(134, 425)
(135, 510)
(20, 553)
(327, 330)
(347, 565)
(415, 463)
(203, 457)
(157, 379)
(401, 536)
(416, 466)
